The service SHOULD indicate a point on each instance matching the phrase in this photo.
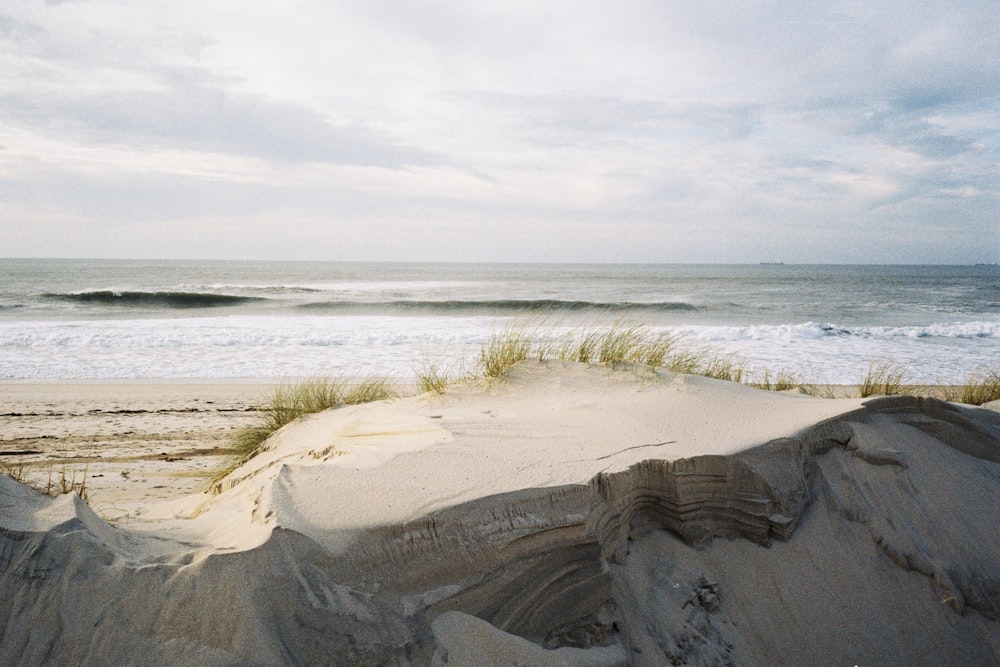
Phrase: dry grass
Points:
(57, 483)
(724, 367)
(66, 482)
(616, 344)
(781, 381)
(883, 378)
(613, 345)
(505, 349)
(291, 401)
(983, 386)
(431, 377)
(16, 471)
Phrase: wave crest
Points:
(498, 305)
(168, 299)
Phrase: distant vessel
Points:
(772, 263)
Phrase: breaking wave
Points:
(168, 299)
(497, 306)
(816, 331)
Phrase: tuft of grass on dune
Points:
(292, 401)
(431, 377)
(57, 483)
(982, 386)
(15, 470)
(884, 378)
(724, 367)
(632, 344)
(617, 344)
(368, 391)
(505, 349)
(782, 381)
(614, 345)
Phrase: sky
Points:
(583, 131)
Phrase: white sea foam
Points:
(815, 331)
(283, 346)
(59, 319)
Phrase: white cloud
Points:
(564, 131)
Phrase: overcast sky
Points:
(656, 131)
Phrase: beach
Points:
(564, 514)
(367, 334)
(136, 442)
(608, 497)
(129, 443)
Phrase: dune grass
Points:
(16, 470)
(291, 401)
(982, 386)
(613, 345)
(57, 483)
(781, 381)
(431, 377)
(724, 367)
(884, 378)
(505, 349)
(618, 344)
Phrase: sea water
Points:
(92, 320)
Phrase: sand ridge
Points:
(567, 515)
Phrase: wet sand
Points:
(129, 443)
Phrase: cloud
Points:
(194, 116)
(649, 131)
(126, 98)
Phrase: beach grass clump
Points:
(505, 349)
(657, 351)
(618, 344)
(367, 391)
(56, 484)
(613, 345)
(16, 470)
(292, 401)
(781, 381)
(431, 377)
(622, 344)
(724, 367)
(884, 378)
(687, 362)
(581, 348)
(67, 482)
(983, 386)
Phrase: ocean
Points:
(109, 319)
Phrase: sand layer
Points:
(568, 515)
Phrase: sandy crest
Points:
(567, 515)
(545, 425)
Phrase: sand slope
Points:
(567, 516)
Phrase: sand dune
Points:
(568, 515)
